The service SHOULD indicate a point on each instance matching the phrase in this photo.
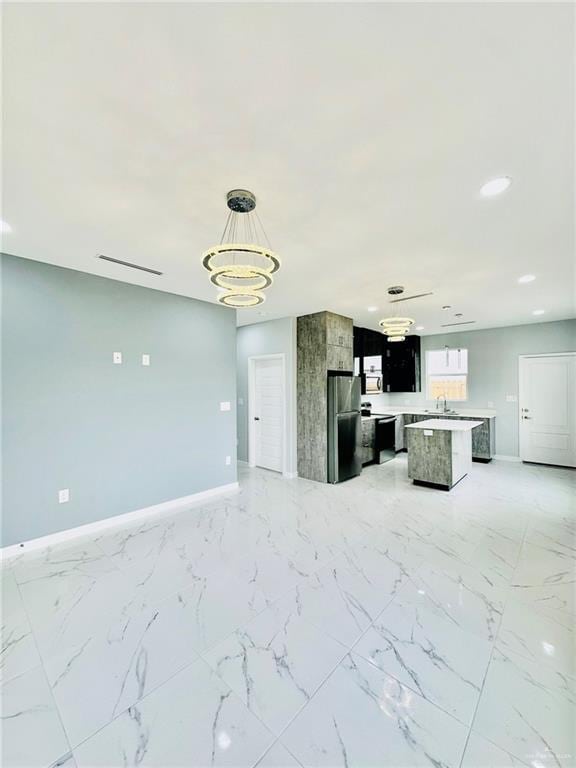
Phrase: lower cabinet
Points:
(399, 441)
(368, 447)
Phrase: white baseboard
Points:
(165, 507)
(502, 457)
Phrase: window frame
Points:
(449, 373)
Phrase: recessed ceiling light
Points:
(526, 278)
(5, 228)
(539, 312)
(495, 186)
(446, 306)
(372, 309)
(419, 327)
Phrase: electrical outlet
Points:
(117, 358)
(145, 359)
(228, 460)
(64, 496)
(511, 399)
(490, 404)
(225, 406)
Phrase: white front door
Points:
(548, 409)
(267, 412)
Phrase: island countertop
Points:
(447, 425)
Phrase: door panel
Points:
(268, 413)
(548, 409)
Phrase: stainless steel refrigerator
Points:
(344, 428)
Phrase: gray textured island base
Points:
(440, 451)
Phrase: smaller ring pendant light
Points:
(396, 328)
(239, 267)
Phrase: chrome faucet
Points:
(445, 409)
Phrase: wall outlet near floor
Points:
(228, 460)
(117, 358)
(225, 406)
(64, 496)
(511, 398)
(145, 359)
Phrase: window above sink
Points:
(447, 374)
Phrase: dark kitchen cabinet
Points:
(401, 367)
(400, 360)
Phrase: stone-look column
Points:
(312, 398)
(324, 343)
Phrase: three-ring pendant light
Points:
(239, 267)
(396, 328)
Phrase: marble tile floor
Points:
(372, 624)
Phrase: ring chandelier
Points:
(239, 268)
(396, 328)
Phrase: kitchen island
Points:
(440, 451)
(483, 438)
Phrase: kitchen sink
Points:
(442, 413)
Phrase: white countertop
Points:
(446, 425)
(395, 410)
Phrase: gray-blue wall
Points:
(120, 437)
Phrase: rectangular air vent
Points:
(467, 322)
(409, 298)
(129, 264)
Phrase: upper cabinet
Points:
(339, 330)
(400, 366)
(328, 339)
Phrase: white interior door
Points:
(548, 409)
(268, 413)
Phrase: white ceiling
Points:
(365, 131)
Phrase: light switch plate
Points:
(145, 359)
(117, 358)
(225, 406)
(228, 460)
(64, 496)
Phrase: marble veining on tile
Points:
(371, 623)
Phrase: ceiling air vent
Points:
(129, 264)
(409, 298)
(465, 322)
